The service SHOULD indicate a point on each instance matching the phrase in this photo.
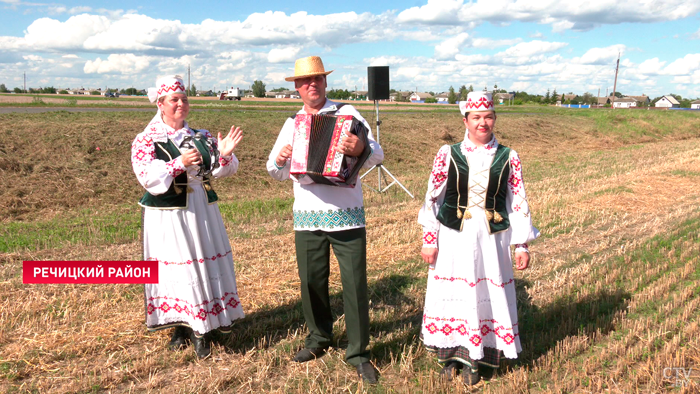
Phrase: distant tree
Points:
(685, 103)
(130, 91)
(588, 99)
(463, 92)
(278, 90)
(546, 97)
(17, 90)
(471, 88)
(95, 93)
(3, 89)
(193, 91)
(431, 100)
(63, 92)
(452, 97)
(49, 89)
(258, 88)
(555, 97)
(576, 100)
(617, 94)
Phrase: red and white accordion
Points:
(315, 149)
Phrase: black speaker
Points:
(378, 83)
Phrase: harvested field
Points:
(611, 302)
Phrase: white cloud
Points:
(685, 65)
(602, 56)
(79, 10)
(451, 46)
(562, 16)
(282, 55)
(532, 48)
(385, 60)
(651, 66)
(117, 64)
(276, 77)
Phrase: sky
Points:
(429, 45)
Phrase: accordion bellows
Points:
(315, 149)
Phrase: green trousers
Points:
(313, 260)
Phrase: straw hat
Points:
(477, 102)
(308, 67)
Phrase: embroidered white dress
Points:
(470, 299)
(197, 282)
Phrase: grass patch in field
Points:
(614, 190)
(250, 211)
(85, 228)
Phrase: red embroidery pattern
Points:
(430, 238)
(175, 167)
(165, 89)
(142, 153)
(439, 173)
(224, 161)
(477, 334)
(213, 258)
(521, 246)
(168, 304)
(516, 175)
(473, 284)
(481, 103)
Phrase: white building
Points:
(695, 104)
(625, 102)
(667, 102)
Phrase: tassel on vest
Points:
(466, 214)
(495, 216)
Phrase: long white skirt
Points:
(197, 282)
(470, 300)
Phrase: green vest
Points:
(456, 195)
(176, 196)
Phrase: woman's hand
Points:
(285, 153)
(228, 144)
(522, 260)
(191, 157)
(429, 255)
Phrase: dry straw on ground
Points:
(610, 304)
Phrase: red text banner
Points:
(90, 272)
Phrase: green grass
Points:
(87, 227)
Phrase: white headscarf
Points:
(165, 86)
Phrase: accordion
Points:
(315, 149)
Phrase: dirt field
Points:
(611, 303)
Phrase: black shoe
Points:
(367, 372)
(309, 353)
(450, 370)
(179, 338)
(470, 377)
(201, 345)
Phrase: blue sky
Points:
(429, 45)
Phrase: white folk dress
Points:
(470, 301)
(197, 282)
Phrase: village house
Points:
(625, 102)
(404, 96)
(602, 101)
(569, 97)
(667, 102)
(420, 96)
(503, 97)
(443, 97)
(695, 104)
(642, 100)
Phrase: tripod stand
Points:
(380, 167)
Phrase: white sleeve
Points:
(153, 174)
(434, 197)
(517, 206)
(283, 139)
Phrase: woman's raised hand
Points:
(191, 157)
(228, 144)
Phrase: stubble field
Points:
(610, 304)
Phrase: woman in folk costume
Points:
(182, 226)
(474, 210)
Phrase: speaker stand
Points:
(380, 167)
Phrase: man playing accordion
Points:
(328, 216)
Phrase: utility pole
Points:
(188, 80)
(617, 67)
(25, 82)
(598, 102)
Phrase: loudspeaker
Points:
(378, 83)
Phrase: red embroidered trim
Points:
(521, 246)
(172, 169)
(482, 103)
(439, 173)
(516, 175)
(164, 89)
(472, 284)
(478, 334)
(224, 161)
(430, 238)
(213, 258)
(188, 308)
